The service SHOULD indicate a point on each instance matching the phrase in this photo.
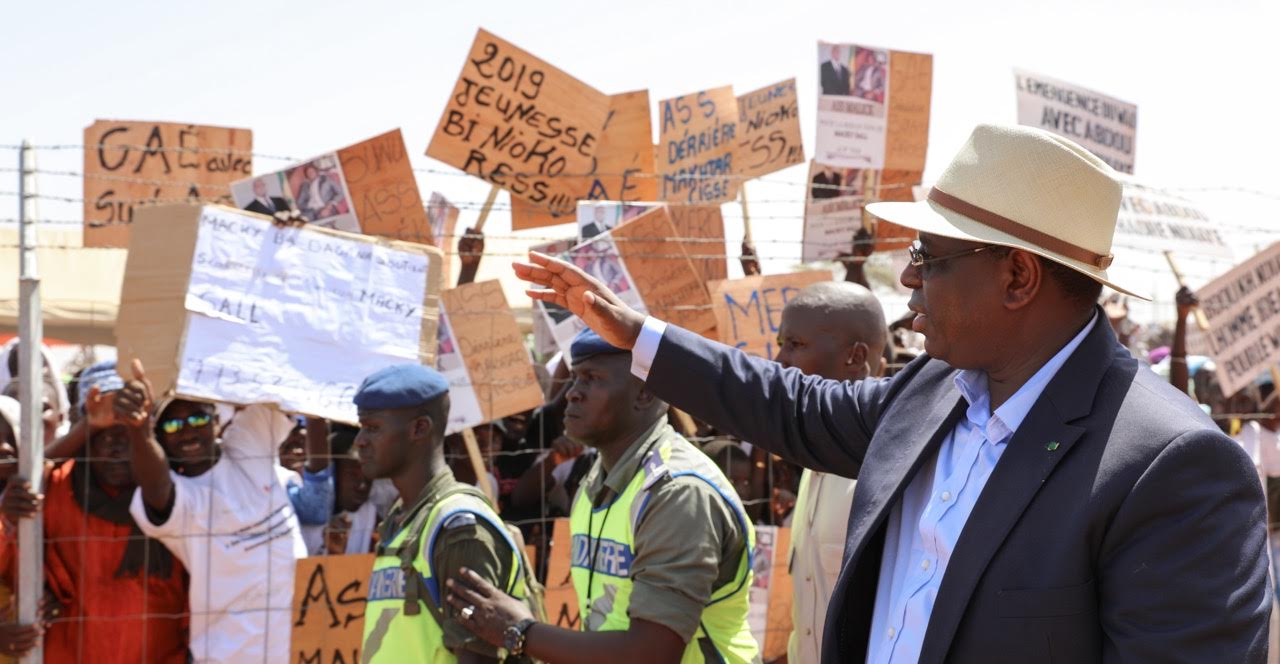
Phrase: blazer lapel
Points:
(1042, 440)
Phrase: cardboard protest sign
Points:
(769, 130)
(672, 287)
(858, 97)
(519, 123)
(482, 353)
(623, 168)
(749, 311)
(1157, 220)
(443, 217)
(1243, 309)
(696, 145)
(128, 164)
(561, 599)
(700, 230)
(329, 597)
(642, 263)
(222, 305)
(364, 188)
(1105, 126)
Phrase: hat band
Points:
(1020, 231)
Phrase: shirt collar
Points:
(1006, 419)
(617, 479)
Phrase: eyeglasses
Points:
(178, 423)
(919, 258)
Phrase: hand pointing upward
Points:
(568, 286)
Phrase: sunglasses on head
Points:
(177, 424)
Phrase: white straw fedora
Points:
(1026, 188)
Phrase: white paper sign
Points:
(1157, 220)
(464, 407)
(1104, 125)
(295, 317)
(853, 94)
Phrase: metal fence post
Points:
(31, 382)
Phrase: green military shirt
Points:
(464, 542)
(688, 541)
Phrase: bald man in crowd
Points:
(836, 330)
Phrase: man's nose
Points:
(911, 277)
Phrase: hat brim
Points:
(929, 217)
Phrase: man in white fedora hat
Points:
(1026, 491)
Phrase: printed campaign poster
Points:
(1105, 126)
(834, 209)
(853, 95)
(364, 188)
(546, 315)
(316, 189)
(483, 356)
(443, 218)
(1156, 220)
(597, 217)
(599, 258)
(873, 107)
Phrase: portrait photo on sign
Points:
(870, 74)
(263, 194)
(833, 69)
(447, 356)
(827, 181)
(442, 215)
(600, 259)
(597, 217)
(320, 193)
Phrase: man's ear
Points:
(857, 354)
(644, 399)
(1023, 278)
(422, 426)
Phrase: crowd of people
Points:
(172, 527)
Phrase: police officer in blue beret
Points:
(436, 527)
(661, 548)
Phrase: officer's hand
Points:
(568, 286)
(491, 611)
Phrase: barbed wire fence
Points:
(785, 207)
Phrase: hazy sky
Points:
(309, 77)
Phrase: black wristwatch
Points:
(513, 637)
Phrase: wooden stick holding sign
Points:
(746, 216)
(1201, 321)
(484, 211)
(477, 465)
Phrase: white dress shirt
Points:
(925, 525)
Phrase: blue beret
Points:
(400, 386)
(102, 376)
(589, 344)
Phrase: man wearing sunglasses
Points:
(1027, 492)
(223, 508)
